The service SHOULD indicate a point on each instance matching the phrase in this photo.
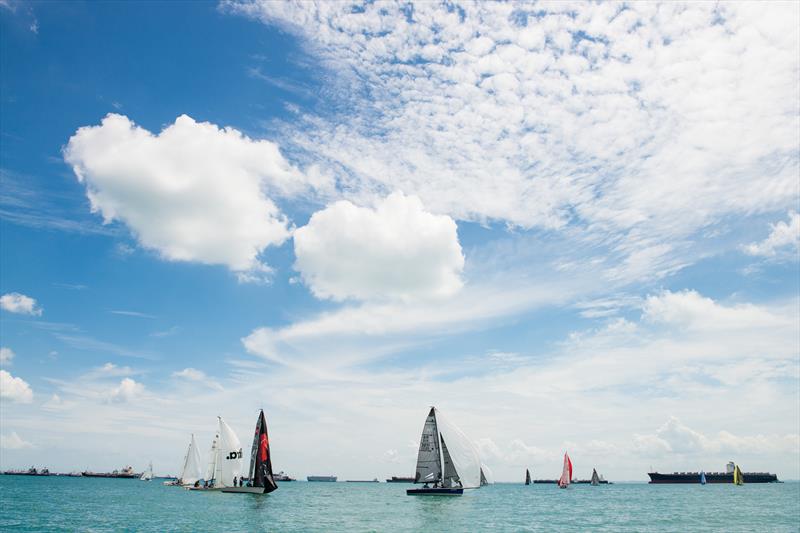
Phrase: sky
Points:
(569, 226)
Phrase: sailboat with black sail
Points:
(527, 477)
(260, 477)
(447, 462)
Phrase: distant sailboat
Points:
(527, 477)
(260, 479)
(738, 478)
(147, 475)
(566, 473)
(595, 478)
(487, 478)
(702, 478)
(447, 460)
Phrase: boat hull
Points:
(435, 492)
(245, 490)
(711, 477)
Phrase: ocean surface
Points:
(76, 504)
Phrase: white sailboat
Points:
(191, 469)
(447, 462)
(224, 460)
(147, 475)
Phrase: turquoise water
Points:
(75, 504)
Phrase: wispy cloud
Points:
(132, 313)
(84, 342)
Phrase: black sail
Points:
(527, 477)
(260, 458)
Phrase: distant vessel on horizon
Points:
(29, 472)
(125, 473)
(400, 479)
(280, 476)
(327, 479)
(566, 473)
(657, 478)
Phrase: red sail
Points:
(261, 462)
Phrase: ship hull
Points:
(435, 492)
(322, 479)
(688, 478)
(246, 490)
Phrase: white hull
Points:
(247, 490)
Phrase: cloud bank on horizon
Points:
(597, 150)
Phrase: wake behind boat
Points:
(260, 479)
(447, 462)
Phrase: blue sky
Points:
(344, 214)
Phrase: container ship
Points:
(125, 473)
(712, 477)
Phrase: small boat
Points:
(375, 480)
(324, 479)
(400, 479)
(595, 478)
(487, 478)
(527, 477)
(447, 462)
(702, 478)
(738, 478)
(259, 479)
(566, 473)
(224, 462)
(147, 475)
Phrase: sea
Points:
(95, 505)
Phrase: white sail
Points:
(487, 477)
(449, 474)
(429, 466)
(462, 452)
(147, 475)
(229, 457)
(211, 466)
(192, 467)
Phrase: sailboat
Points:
(566, 473)
(225, 460)
(527, 477)
(487, 478)
(447, 462)
(702, 478)
(595, 478)
(190, 472)
(260, 479)
(147, 475)
(738, 479)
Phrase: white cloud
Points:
(15, 302)
(195, 375)
(55, 403)
(110, 370)
(783, 235)
(6, 355)
(642, 124)
(14, 389)
(127, 391)
(397, 250)
(193, 192)
(12, 441)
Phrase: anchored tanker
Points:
(447, 462)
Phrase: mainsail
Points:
(429, 463)
(566, 473)
(192, 467)
(527, 477)
(450, 475)
(211, 467)
(595, 477)
(702, 478)
(229, 457)
(260, 458)
(487, 478)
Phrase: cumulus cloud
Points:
(193, 192)
(784, 235)
(397, 250)
(15, 302)
(640, 123)
(6, 355)
(195, 375)
(126, 391)
(15, 389)
(12, 441)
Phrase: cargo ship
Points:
(330, 479)
(29, 472)
(281, 476)
(125, 473)
(400, 479)
(712, 477)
